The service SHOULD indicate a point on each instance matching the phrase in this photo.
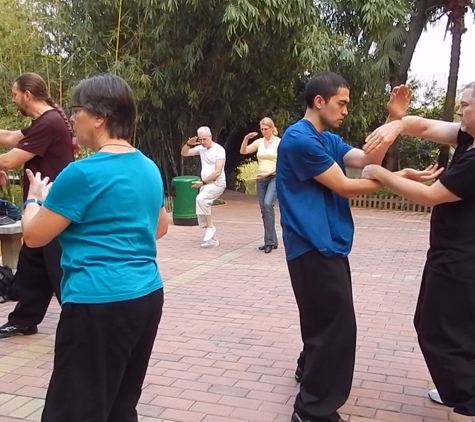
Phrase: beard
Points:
(22, 109)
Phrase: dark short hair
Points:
(110, 97)
(325, 84)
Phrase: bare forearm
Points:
(5, 138)
(244, 146)
(4, 163)
(431, 130)
(410, 189)
(377, 156)
(355, 187)
(10, 138)
(212, 177)
(392, 118)
(26, 221)
(185, 150)
(414, 126)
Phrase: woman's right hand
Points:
(251, 135)
(39, 187)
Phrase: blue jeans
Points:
(267, 195)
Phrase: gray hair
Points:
(471, 86)
(204, 131)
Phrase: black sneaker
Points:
(10, 330)
(298, 374)
(297, 418)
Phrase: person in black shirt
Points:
(46, 146)
(445, 313)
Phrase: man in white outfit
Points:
(213, 179)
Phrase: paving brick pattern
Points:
(229, 337)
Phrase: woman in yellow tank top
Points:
(266, 148)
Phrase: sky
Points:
(431, 59)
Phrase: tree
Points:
(21, 50)
(198, 62)
(397, 49)
(428, 102)
(362, 24)
(455, 11)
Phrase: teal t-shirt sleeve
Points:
(69, 194)
(309, 159)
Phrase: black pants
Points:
(101, 357)
(38, 276)
(322, 288)
(445, 325)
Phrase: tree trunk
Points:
(457, 28)
(399, 76)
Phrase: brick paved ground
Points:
(229, 337)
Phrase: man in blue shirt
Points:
(313, 193)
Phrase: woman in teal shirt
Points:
(108, 210)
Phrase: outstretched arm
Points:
(9, 138)
(431, 130)
(335, 180)
(420, 193)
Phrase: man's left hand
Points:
(197, 185)
(369, 172)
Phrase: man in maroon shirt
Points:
(46, 147)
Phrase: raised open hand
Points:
(251, 135)
(399, 101)
(193, 141)
(39, 188)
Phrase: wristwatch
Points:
(31, 201)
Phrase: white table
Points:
(10, 237)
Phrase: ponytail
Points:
(56, 106)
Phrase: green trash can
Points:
(184, 201)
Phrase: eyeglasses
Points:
(75, 108)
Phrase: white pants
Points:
(208, 194)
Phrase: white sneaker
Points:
(435, 396)
(210, 232)
(210, 244)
